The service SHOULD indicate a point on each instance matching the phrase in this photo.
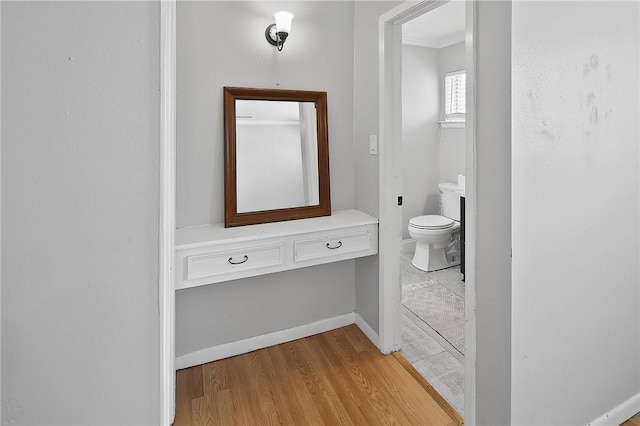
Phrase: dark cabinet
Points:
(462, 237)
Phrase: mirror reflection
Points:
(276, 155)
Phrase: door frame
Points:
(166, 293)
(390, 184)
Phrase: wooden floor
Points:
(334, 378)
(633, 421)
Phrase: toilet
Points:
(437, 244)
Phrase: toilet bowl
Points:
(434, 235)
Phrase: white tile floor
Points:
(435, 358)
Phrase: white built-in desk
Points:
(212, 253)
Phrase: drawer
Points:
(330, 246)
(231, 261)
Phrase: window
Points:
(454, 95)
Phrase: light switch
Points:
(373, 144)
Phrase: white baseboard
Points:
(367, 330)
(227, 350)
(408, 246)
(619, 414)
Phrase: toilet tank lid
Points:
(448, 186)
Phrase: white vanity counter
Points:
(212, 253)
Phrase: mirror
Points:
(276, 155)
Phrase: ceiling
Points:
(438, 28)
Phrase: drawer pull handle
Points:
(336, 247)
(238, 263)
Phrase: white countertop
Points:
(195, 236)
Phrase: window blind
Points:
(455, 100)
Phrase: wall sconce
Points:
(276, 34)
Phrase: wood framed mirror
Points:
(276, 155)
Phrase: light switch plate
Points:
(373, 144)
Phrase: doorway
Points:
(433, 176)
(394, 313)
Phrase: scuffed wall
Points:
(576, 292)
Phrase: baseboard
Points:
(619, 414)
(367, 330)
(227, 350)
(408, 246)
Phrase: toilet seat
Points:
(431, 222)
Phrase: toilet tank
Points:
(450, 194)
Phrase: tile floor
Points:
(435, 358)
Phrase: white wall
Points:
(420, 133)
(451, 159)
(80, 186)
(318, 55)
(221, 313)
(576, 300)
(365, 123)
